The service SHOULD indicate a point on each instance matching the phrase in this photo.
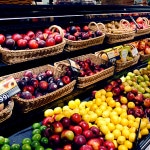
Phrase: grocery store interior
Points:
(75, 75)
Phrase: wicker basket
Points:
(7, 111)
(77, 45)
(140, 32)
(22, 2)
(144, 57)
(123, 33)
(89, 80)
(31, 104)
(17, 56)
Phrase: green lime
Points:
(44, 140)
(48, 149)
(35, 131)
(15, 146)
(43, 127)
(7, 141)
(2, 140)
(39, 148)
(5, 147)
(34, 144)
(36, 125)
(36, 137)
(26, 147)
(26, 141)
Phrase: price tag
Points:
(124, 54)
(134, 52)
(8, 88)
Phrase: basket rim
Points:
(31, 50)
(125, 33)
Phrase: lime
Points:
(26, 147)
(5, 147)
(35, 131)
(35, 144)
(36, 125)
(2, 140)
(36, 137)
(39, 148)
(48, 149)
(6, 141)
(44, 140)
(15, 146)
(26, 141)
(43, 127)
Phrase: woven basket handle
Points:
(102, 27)
(61, 66)
(124, 24)
(54, 27)
(93, 26)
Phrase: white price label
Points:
(124, 54)
(134, 51)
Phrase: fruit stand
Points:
(80, 82)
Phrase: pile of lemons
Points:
(108, 115)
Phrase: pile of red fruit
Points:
(74, 134)
(76, 33)
(30, 40)
(88, 68)
(35, 85)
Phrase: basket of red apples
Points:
(6, 110)
(40, 86)
(92, 69)
(18, 47)
(142, 26)
(82, 37)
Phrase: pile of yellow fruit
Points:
(108, 115)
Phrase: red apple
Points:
(147, 50)
(28, 73)
(54, 140)
(116, 91)
(84, 125)
(25, 37)
(79, 140)
(48, 31)
(41, 43)
(139, 20)
(66, 79)
(67, 135)
(2, 39)
(94, 143)
(58, 39)
(10, 43)
(28, 88)
(75, 118)
(130, 96)
(16, 37)
(108, 88)
(141, 45)
(33, 44)
(65, 122)
(147, 102)
(82, 73)
(71, 37)
(77, 130)
(26, 95)
(121, 87)
(40, 36)
(109, 145)
(134, 91)
(48, 121)
(114, 84)
(31, 34)
(95, 130)
(86, 147)
(85, 28)
(49, 73)
(58, 127)
(50, 42)
(34, 82)
(67, 147)
(43, 85)
(139, 98)
(103, 148)
(88, 134)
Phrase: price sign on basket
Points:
(8, 88)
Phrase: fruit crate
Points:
(123, 33)
(88, 80)
(7, 111)
(17, 56)
(26, 105)
(81, 44)
(16, 2)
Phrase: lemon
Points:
(114, 119)
(109, 94)
(93, 117)
(67, 113)
(118, 104)
(103, 108)
(89, 103)
(130, 123)
(101, 123)
(127, 88)
(132, 130)
(104, 104)
(105, 114)
(125, 133)
(112, 103)
(77, 101)
(131, 105)
(115, 143)
(103, 98)
(145, 120)
(98, 112)
(103, 92)
(144, 131)
(124, 122)
(57, 110)
(119, 127)
(72, 104)
(98, 94)
(143, 124)
(132, 137)
(139, 136)
(109, 108)
(121, 139)
(65, 108)
(137, 120)
(111, 126)
(86, 117)
(59, 117)
(136, 125)
(109, 99)
(94, 107)
(109, 136)
(116, 133)
(148, 126)
(48, 113)
(131, 117)
(118, 110)
(123, 100)
(82, 112)
(113, 113)
(107, 120)
(104, 129)
(98, 101)
(122, 147)
(76, 110)
(123, 115)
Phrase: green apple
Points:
(136, 72)
(146, 95)
(146, 78)
(143, 84)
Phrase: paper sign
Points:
(134, 52)
(8, 88)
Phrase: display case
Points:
(15, 18)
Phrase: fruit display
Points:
(30, 40)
